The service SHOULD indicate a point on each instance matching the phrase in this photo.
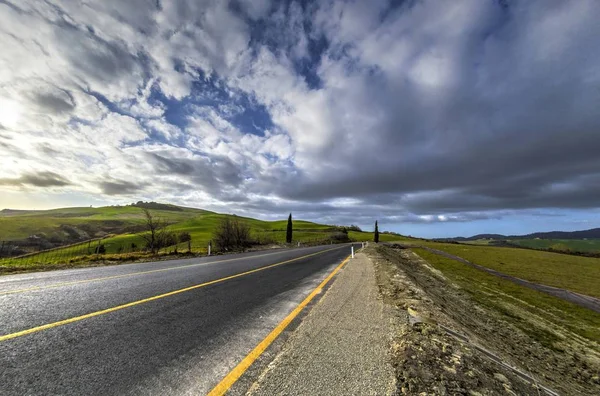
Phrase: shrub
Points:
(184, 236)
(339, 237)
(232, 234)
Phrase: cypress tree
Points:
(376, 234)
(288, 233)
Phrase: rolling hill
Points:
(586, 242)
(68, 233)
(593, 233)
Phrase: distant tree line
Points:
(156, 206)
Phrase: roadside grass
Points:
(87, 260)
(535, 309)
(574, 245)
(574, 273)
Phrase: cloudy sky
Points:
(436, 117)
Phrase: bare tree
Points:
(242, 234)
(157, 235)
(231, 233)
(223, 234)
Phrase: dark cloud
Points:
(100, 60)
(119, 187)
(40, 179)
(577, 193)
(54, 104)
(214, 174)
(169, 166)
(47, 149)
(335, 213)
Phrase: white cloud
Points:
(432, 108)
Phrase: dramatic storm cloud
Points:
(418, 113)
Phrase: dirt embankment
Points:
(429, 360)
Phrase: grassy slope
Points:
(579, 274)
(499, 294)
(199, 223)
(20, 226)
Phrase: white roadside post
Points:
(352, 250)
(209, 245)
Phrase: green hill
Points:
(67, 225)
(56, 236)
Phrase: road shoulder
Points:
(341, 347)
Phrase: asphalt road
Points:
(180, 343)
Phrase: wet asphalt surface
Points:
(180, 344)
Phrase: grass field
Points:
(578, 274)
(574, 245)
(498, 294)
(565, 245)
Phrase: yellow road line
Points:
(242, 366)
(145, 300)
(55, 285)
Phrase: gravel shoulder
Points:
(342, 346)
